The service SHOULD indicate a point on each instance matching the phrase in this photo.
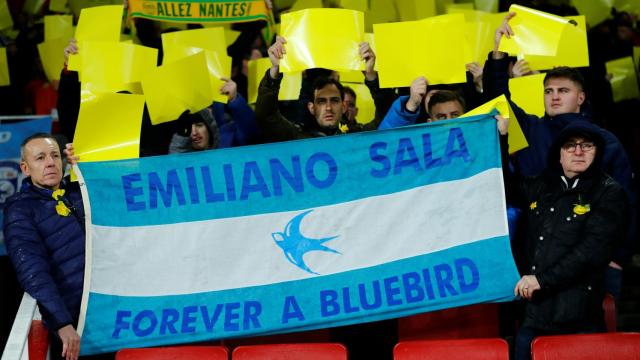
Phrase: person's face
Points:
(562, 96)
(43, 163)
(199, 136)
(446, 110)
(327, 106)
(350, 106)
(575, 157)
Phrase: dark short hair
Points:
(35, 136)
(443, 96)
(565, 72)
(321, 82)
(349, 91)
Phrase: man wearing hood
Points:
(574, 215)
(564, 100)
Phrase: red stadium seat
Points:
(314, 336)
(38, 341)
(458, 349)
(609, 307)
(619, 346)
(175, 353)
(315, 351)
(467, 322)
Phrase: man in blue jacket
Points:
(45, 239)
(564, 102)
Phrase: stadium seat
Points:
(175, 353)
(457, 349)
(38, 341)
(467, 322)
(609, 307)
(619, 346)
(314, 336)
(315, 351)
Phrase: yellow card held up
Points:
(479, 41)
(180, 44)
(59, 6)
(184, 84)
(6, 21)
(517, 140)
(51, 57)
(415, 9)
(354, 77)
(4, 68)
(58, 27)
(218, 67)
(109, 127)
(100, 23)
(306, 4)
(573, 49)
(535, 32)
(313, 41)
(360, 5)
(596, 11)
(289, 87)
(528, 93)
(407, 50)
(230, 36)
(624, 81)
(364, 102)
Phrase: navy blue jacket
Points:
(541, 132)
(47, 250)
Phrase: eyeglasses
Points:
(584, 146)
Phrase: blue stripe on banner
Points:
(482, 271)
(288, 176)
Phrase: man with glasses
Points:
(564, 103)
(574, 216)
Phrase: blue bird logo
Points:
(295, 245)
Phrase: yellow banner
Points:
(535, 32)
(624, 81)
(528, 93)
(401, 60)
(117, 119)
(313, 41)
(573, 50)
(289, 87)
(200, 11)
(517, 140)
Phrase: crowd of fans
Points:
(586, 145)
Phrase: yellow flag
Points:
(415, 9)
(360, 5)
(364, 102)
(109, 127)
(58, 6)
(573, 49)
(517, 140)
(314, 42)
(4, 68)
(487, 5)
(185, 84)
(405, 53)
(624, 82)
(535, 32)
(51, 57)
(528, 93)
(6, 21)
(289, 87)
(306, 4)
(380, 11)
(179, 44)
(111, 66)
(100, 23)
(479, 37)
(58, 27)
(596, 11)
